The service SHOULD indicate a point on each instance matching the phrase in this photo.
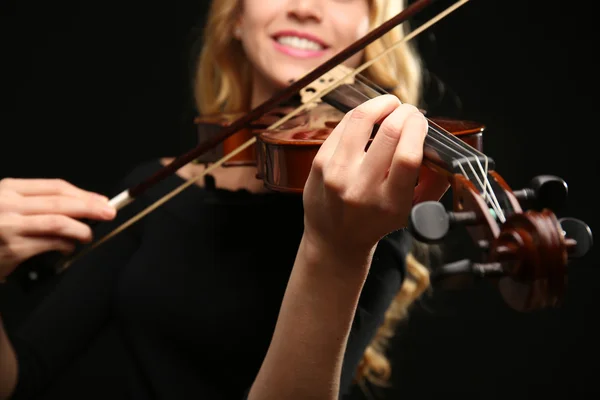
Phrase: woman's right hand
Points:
(40, 215)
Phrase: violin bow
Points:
(128, 196)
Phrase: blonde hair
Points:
(222, 83)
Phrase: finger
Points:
(377, 161)
(33, 187)
(328, 147)
(359, 127)
(32, 246)
(74, 207)
(55, 225)
(431, 186)
(407, 159)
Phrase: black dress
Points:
(194, 289)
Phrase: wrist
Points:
(325, 255)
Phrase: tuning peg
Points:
(579, 237)
(429, 221)
(544, 191)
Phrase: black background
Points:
(90, 89)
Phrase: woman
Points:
(206, 307)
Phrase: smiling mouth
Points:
(299, 43)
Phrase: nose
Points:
(306, 10)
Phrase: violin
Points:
(525, 252)
(284, 156)
(523, 247)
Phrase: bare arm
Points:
(304, 360)
(352, 199)
(8, 365)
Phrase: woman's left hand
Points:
(353, 198)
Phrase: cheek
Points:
(362, 28)
(350, 33)
(354, 19)
(349, 30)
(251, 29)
(252, 18)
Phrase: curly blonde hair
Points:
(222, 83)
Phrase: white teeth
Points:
(299, 43)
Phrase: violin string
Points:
(488, 193)
(443, 139)
(252, 140)
(447, 136)
(493, 200)
(444, 134)
(441, 149)
(367, 64)
(367, 82)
